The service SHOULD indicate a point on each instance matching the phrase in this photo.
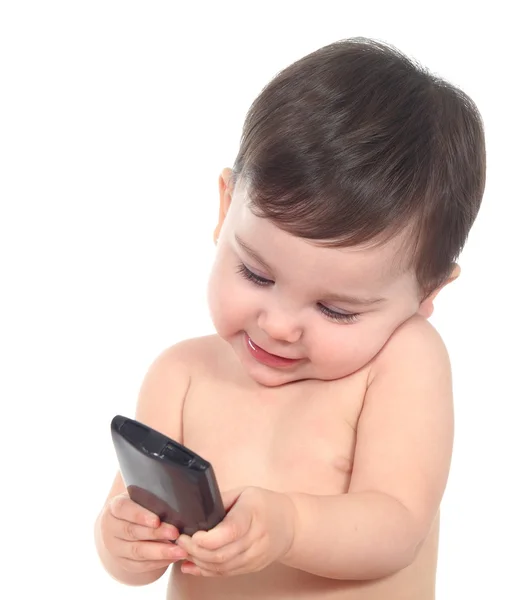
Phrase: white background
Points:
(115, 121)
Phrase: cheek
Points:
(343, 349)
(217, 304)
(229, 302)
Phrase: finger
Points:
(189, 568)
(235, 525)
(125, 530)
(238, 565)
(221, 556)
(149, 551)
(186, 543)
(122, 507)
(230, 497)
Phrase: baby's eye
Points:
(253, 277)
(337, 316)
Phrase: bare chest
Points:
(300, 438)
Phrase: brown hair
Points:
(355, 142)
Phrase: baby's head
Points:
(358, 178)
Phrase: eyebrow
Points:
(355, 300)
(352, 300)
(248, 250)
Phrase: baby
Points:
(324, 401)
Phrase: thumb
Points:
(230, 497)
(233, 527)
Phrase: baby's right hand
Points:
(136, 538)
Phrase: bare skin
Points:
(344, 453)
(287, 442)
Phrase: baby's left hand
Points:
(258, 530)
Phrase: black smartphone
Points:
(166, 477)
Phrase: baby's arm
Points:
(159, 406)
(402, 460)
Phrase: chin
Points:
(265, 375)
(271, 378)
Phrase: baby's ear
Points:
(426, 307)
(225, 189)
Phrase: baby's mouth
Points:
(266, 358)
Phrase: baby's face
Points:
(331, 310)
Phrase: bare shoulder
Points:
(407, 418)
(416, 345)
(165, 386)
(167, 381)
(188, 355)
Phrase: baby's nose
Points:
(280, 326)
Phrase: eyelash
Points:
(250, 276)
(336, 316)
(330, 314)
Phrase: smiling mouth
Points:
(266, 358)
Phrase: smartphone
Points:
(166, 477)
